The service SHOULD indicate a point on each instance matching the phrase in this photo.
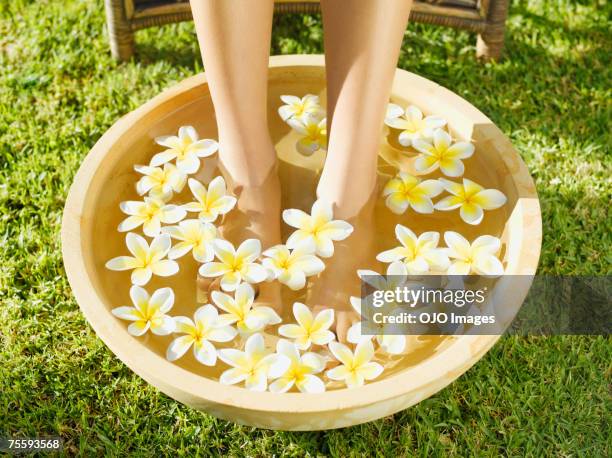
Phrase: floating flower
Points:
(471, 199)
(443, 154)
(211, 202)
(292, 267)
(301, 371)
(205, 328)
(235, 265)
(356, 367)
(309, 330)
(195, 236)
(479, 257)
(318, 229)
(411, 123)
(419, 254)
(406, 191)
(185, 148)
(240, 311)
(385, 337)
(148, 312)
(150, 214)
(254, 366)
(147, 259)
(296, 108)
(313, 134)
(159, 181)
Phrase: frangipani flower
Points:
(240, 311)
(443, 154)
(406, 191)
(318, 229)
(471, 198)
(254, 366)
(235, 265)
(206, 327)
(296, 108)
(356, 367)
(150, 214)
(195, 236)
(479, 257)
(309, 330)
(146, 260)
(386, 339)
(159, 181)
(313, 134)
(211, 202)
(419, 254)
(148, 312)
(411, 123)
(292, 267)
(185, 148)
(301, 370)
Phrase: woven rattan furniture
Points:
(486, 17)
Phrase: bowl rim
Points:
(423, 379)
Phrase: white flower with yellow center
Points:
(471, 199)
(405, 191)
(147, 260)
(357, 367)
(310, 329)
(300, 108)
(195, 236)
(478, 257)
(319, 229)
(186, 148)
(419, 254)
(148, 312)
(240, 310)
(301, 371)
(412, 123)
(292, 267)
(150, 214)
(211, 202)
(205, 328)
(159, 181)
(313, 134)
(442, 153)
(235, 265)
(254, 366)
(385, 337)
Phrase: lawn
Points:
(60, 90)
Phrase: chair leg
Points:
(120, 34)
(490, 43)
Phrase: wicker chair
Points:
(486, 17)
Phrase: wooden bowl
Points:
(106, 177)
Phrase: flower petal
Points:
(295, 218)
(178, 347)
(310, 384)
(490, 199)
(122, 263)
(165, 268)
(232, 376)
(141, 276)
(163, 326)
(342, 353)
(471, 214)
(205, 352)
(127, 313)
(370, 371)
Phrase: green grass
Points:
(60, 90)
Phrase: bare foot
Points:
(339, 281)
(257, 215)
